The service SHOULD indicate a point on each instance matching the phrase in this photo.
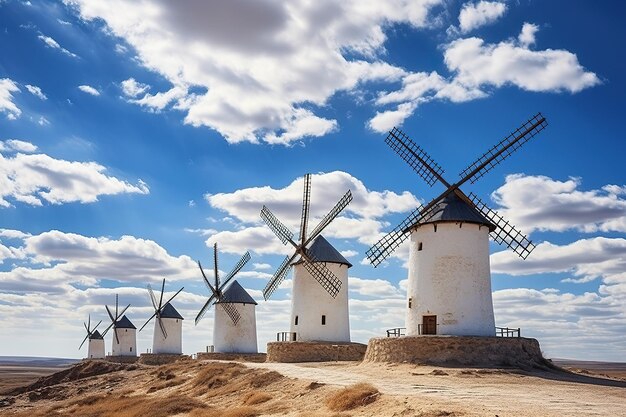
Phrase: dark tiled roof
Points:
(169, 312)
(235, 293)
(124, 323)
(453, 209)
(323, 251)
(96, 335)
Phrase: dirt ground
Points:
(210, 388)
(12, 376)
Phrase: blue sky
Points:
(135, 135)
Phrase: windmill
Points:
(449, 288)
(234, 329)
(320, 271)
(96, 340)
(168, 326)
(124, 341)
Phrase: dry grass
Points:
(232, 412)
(356, 395)
(256, 397)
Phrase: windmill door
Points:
(429, 324)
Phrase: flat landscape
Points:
(213, 388)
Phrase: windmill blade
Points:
(323, 275)
(385, 246)
(415, 156)
(162, 327)
(88, 322)
(107, 329)
(161, 298)
(306, 202)
(116, 304)
(123, 311)
(280, 230)
(110, 314)
(94, 329)
(86, 327)
(242, 262)
(504, 148)
(204, 309)
(332, 214)
(84, 340)
(172, 297)
(116, 336)
(206, 280)
(216, 270)
(152, 297)
(505, 233)
(232, 312)
(148, 321)
(278, 277)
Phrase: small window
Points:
(125, 330)
(131, 348)
(410, 302)
(435, 228)
(323, 320)
(296, 322)
(419, 246)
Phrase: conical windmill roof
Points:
(235, 293)
(96, 335)
(323, 251)
(124, 323)
(453, 209)
(169, 312)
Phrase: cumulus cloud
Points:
(7, 88)
(266, 81)
(36, 91)
(89, 90)
(475, 66)
(542, 203)
(34, 178)
(132, 88)
(475, 15)
(51, 43)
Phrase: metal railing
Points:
(286, 336)
(210, 349)
(506, 332)
(396, 332)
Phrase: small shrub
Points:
(256, 397)
(356, 395)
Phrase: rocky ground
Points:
(210, 388)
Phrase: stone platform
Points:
(121, 359)
(519, 352)
(314, 351)
(160, 358)
(235, 357)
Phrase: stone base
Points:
(314, 351)
(235, 357)
(518, 352)
(160, 358)
(121, 359)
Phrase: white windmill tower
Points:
(95, 348)
(124, 341)
(234, 328)
(168, 326)
(319, 304)
(449, 282)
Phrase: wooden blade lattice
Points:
(414, 155)
(232, 312)
(505, 233)
(278, 277)
(280, 230)
(332, 214)
(323, 275)
(306, 202)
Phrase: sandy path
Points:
(478, 392)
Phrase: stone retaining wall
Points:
(122, 359)
(160, 358)
(517, 352)
(314, 351)
(236, 357)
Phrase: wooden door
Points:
(429, 324)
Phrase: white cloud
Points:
(89, 90)
(17, 145)
(51, 43)
(36, 91)
(262, 84)
(261, 266)
(7, 88)
(32, 178)
(372, 287)
(349, 253)
(42, 121)
(476, 64)
(542, 203)
(527, 35)
(63, 22)
(132, 88)
(475, 15)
